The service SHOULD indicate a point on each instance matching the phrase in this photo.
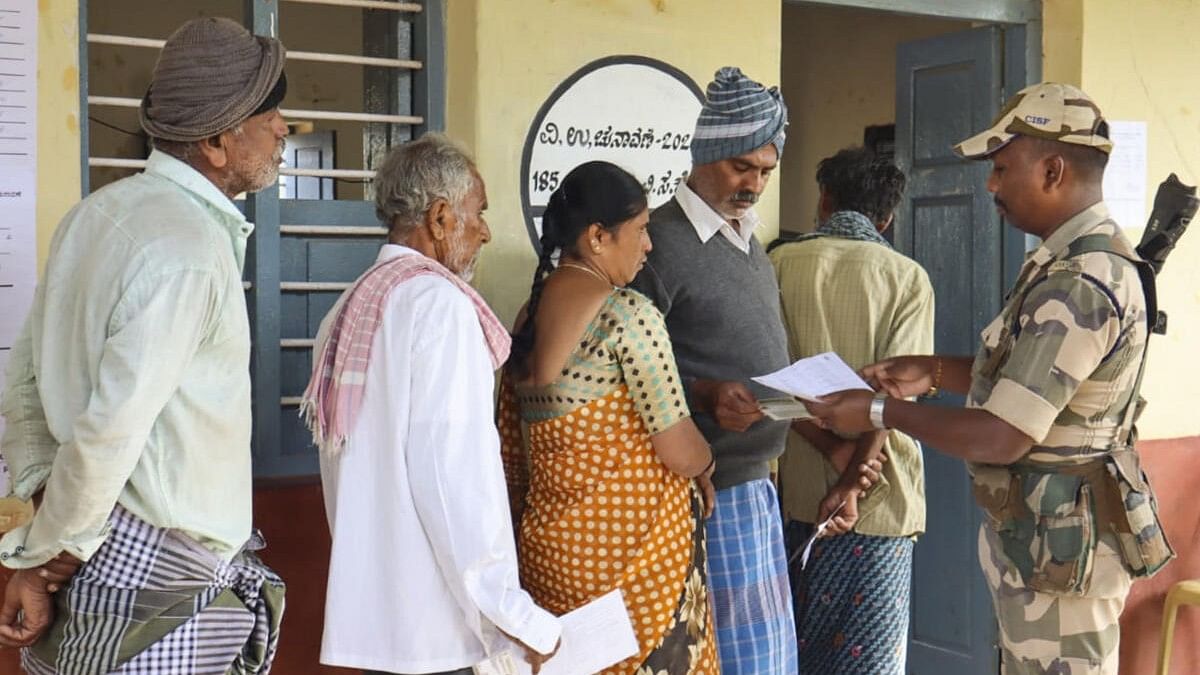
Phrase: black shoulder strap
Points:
(1156, 320)
(1099, 243)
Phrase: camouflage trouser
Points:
(1046, 634)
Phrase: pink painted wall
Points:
(1174, 470)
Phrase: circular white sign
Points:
(633, 111)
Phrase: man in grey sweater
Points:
(715, 286)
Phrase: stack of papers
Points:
(783, 409)
(811, 378)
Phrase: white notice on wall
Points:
(18, 173)
(1125, 177)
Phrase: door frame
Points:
(1021, 23)
(1022, 14)
(1027, 13)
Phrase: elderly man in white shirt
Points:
(128, 392)
(423, 570)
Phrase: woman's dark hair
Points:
(857, 179)
(593, 192)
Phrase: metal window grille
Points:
(304, 252)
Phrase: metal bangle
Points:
(875, 414)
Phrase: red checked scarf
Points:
(334, 394)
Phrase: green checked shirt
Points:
(129, 383)
(866, 302)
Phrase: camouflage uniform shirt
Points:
(1080, 334)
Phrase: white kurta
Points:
(423, 567)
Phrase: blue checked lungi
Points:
(756, 632)
(153, 601)
(852, 603)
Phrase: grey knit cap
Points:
(211, 75)
(739, 116)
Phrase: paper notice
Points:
(1125, 175)
(18, 174)
(814, 377)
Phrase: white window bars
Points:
(327, 57)
(328, 115)
(124, 163)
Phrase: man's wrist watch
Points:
(875, 414)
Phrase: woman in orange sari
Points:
(615, 482)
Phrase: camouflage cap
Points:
(1058, 112)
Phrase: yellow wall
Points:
(1137, 60)
(462, 77)
(58, 116)
(1062, 40)
(835, 88)
(506, 56)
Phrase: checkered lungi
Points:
(153, 601)
(756, 632)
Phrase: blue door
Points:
(948, 88)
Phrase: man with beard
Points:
(716, 288)
(128, 400)
(423, 570)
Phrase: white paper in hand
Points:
(814, 377)
(594, 637)
(806, 549)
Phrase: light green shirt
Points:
(867, 303)
(129, 383)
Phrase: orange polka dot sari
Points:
(597, 509)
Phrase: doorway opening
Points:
(838, 76)
(915, 85)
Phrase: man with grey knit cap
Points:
(128, 393)
(716, 288)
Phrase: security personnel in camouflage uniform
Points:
(1047, 430)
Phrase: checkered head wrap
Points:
(739, 116)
